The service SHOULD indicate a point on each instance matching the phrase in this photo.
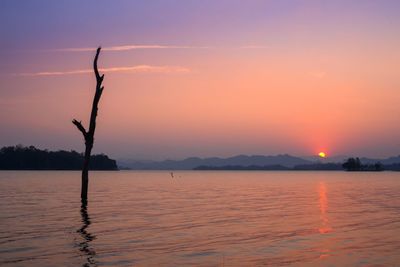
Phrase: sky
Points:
(203, 78)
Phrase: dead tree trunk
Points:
(89, 135)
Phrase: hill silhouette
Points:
(256, 162)
(285, 161)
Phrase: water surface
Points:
(200, 218)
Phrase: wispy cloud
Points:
(129, 47)
(132, 69)
(135, 47)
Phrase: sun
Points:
(322, 154)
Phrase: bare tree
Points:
(89, 135)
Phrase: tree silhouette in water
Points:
(89, 135)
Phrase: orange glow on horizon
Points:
(221, 92)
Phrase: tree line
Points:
(354, 164)
(31, 158)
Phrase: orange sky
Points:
(314, 77)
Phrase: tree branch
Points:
(99, 78)
(97, 95)
(80, 127)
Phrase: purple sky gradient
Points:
(210, 78)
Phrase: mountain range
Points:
(284, 160)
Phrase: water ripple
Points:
(200, 219)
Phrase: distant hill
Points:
(304, 167)
(242, 168)
(334, 159)
(364, 160)
(256, 162)
(387, 161)
(31, 158)
(285, 161)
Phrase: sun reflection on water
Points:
(323, 206)
(325, 225)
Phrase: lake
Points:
(200, 218)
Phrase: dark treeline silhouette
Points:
(319, 167)
(354, 164)
(242, 168)
(392, 167)
(303, 167)
(32, 158)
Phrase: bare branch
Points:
(97, 95)
(80, 127)
(96, 70)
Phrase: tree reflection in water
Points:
(87, 237)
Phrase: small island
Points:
(354, 164)
(351, 164)
(31, 158)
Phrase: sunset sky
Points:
(203, 78)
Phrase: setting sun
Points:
(228, 132)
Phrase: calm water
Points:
(200, 219)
